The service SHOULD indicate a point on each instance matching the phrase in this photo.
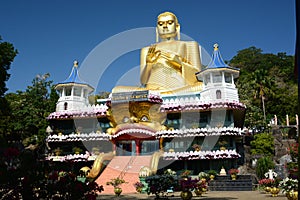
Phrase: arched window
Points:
(65, 106)
(218, 94)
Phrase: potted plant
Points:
(289, 186)
(266, 184)
(196, 147)
(57, 151)
(233, 173)
(77, 150)
(203, 176)
(96, 150)
(185, 173)
(200, 187)
(138, 186)
(187, 186)
(116, 182)
(212, 174)
(275, 187)
(222, 143)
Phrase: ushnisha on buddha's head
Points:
(167, 27)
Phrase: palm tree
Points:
(262, 86)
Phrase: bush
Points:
(159, 184)
(263, 165)
(263, 144)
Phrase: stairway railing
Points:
(124, 171)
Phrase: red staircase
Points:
(126, 166)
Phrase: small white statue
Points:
(271, 174)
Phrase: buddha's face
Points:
(166, 26)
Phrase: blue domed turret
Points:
(218, 79)
(73, 92)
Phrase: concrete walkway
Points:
(210, 195)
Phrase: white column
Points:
(72, 91)
(81, 94)
(223, 78)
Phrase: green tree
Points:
(267, 85)
(30, 109)
(262, 84)
(263, 165)
(7, 55)
(263, 144)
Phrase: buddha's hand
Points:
(152, 54)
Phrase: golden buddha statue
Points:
(169, 65)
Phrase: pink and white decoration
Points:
(200, 155)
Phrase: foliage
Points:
(159, 184)
(293, 151)
(222, 142)
(263, 165)
(201, 184)
(30, 109)
(203, 175)
(233, 171)
(24, 176)
(138, 186)
(77, 150)
(196, 147)
(266, 182)
(188, 184)
(170, 172)
(293, 166)
(212, 172)
(116, 182)
(7, 55)
(269, 79)
(263, 144)
(288, 184)
(185, 173)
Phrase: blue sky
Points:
(50, 35)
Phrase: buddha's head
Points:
(167, 27)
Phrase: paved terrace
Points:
(210, 195)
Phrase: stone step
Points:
(224, 183)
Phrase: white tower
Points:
(218, 79)
(73, 92)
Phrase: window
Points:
(228, 115)
(65, 106)
(218, 94)
(77, 91)
(203, 118)
(68, 91)
(217, 78)
(228, 78)
(207, 79)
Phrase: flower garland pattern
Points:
(193, 132)
(194, 155)
(78, 137)
(72, 157)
